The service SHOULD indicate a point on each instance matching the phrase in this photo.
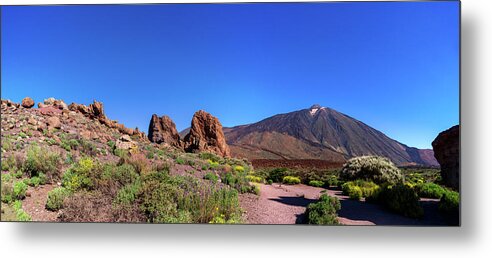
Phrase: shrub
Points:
(140, 163)
(377, 169)
(127, 194)
(324, 211)
(431, 190)
(239, 168)
(41, 160)
(291, 180)
(332, 181)
(449, 205)
(79, 175)
(180, 160)
(209, 156)
(255, 179)
(213, 164)
(21, 215)
(316, 183)
(56, 197)
(20, 189)
(399, 198)
(7, 191)
(277, 174)
(211, 176)
(360, 188)
(269, 182)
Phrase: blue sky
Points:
(394, 66)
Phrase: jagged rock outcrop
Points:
(447, 152)
(27, 102)
(206, 135)
(96, 111)
(55, 103)
(163, 130)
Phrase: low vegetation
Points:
(359, 189)
(377, 169)
(399, 198)
(324, 211)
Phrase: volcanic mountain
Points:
(319, 133)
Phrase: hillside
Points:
(319, 133)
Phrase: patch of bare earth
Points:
(286, 204)
(34, 204)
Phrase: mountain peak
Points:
(314, 109)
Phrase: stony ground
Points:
(285, 204)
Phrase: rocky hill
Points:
(319, 133)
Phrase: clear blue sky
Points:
(394, 66)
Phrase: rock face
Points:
(447, 152)
(27, 102)
(206, 135)
(163, 130)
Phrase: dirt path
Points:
(34, 204)
(286, 204)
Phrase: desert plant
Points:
(7, 191)
(400, 199)
(255, 179)
(79, 175)
(277, 174)
(324, 211)
(291, 180)
(56, 197)
(374, 168)
(21, 215)
(41, 160)
(431, 190)
(360, 188)
(19, 191)
(211, 176)
(316, 183)
(449, 206)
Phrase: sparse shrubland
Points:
(291, 180)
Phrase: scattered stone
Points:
(54, 122)
(27, 102)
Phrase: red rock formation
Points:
(206, 135)
(163, 130)
(447, 152)
(27, 102)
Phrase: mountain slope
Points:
(319, 133)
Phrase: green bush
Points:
(213, 164)
(400, 199)
(291, 180)
(79, 175)
(431, 190)
(21, 215)
(269, 182)
(128, 194)
(238, 168)
(316, 183)
(255, 179)
(209, 156)
(377, 169)
(41, 160)
(324, 211)
(359, 189)
(277, 174)
(211, 176)
(56, 197)
(20, 189)
(180, 161)
(449, 205)
(331, 181)
(7, 191)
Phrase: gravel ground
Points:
(285, 204)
